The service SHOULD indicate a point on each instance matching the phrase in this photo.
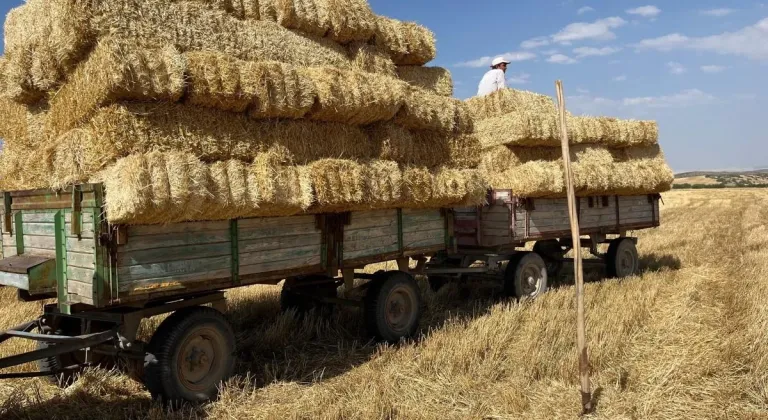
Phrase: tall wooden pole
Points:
(586, 391)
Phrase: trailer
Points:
(106, 278)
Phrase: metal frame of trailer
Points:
(107, 278)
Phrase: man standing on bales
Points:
(495, 78)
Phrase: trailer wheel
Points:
(189, 355)
(526, 276)
(392, 307)
(622, 259)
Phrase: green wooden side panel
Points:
(372, 233)
(423, 229)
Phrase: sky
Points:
(694, 66)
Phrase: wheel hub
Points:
(399, 309)
(626, 263)
(531, 280)
(198, 363)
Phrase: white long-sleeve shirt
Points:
(492, 81)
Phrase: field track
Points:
(687, 339)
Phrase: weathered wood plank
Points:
(9, 251)
(174, 268)
(85, 245)
(165, 284)
(38, 229)
(370, 252)
(424, 226)
(266, 244)
(81, 260)
(79, 288)
(280, 265)
(187, 252)
(496, 217)
(275, 221)
(83, 275)
(49, 253)
(368, 233)
(190, 227)
(40, 242)
(253, 258)
(425, 243)
(38, 217)
(365, 223)
(372, 214)
(420, 216)
(174, 239)
(277, 231)
(370, 244)
(433, 237)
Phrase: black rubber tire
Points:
(552, 253)
(617, 265)
(519, 267)
(387, 293)
(289, 300)
(162, 368)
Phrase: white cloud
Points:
(595, 105)
(645, 11)
(585, 9)
(676, 68)
(550, 52)
(594, 52)
(751, 41)
(582, 91)
(717, 12)
(599, 30)
(713, 69)
(622, 78)
(519, 79)
(486, 61)
(541, 41)
(561, 59)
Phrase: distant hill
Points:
(721, 179)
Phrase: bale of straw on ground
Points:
(370, 58)
(174, 187)
(354, 97)
(408, 43)
(113, 72)
(435, 79)
(423, 110)
(267, 89)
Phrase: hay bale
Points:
(340, 20)
(267, 89)
(44, 39)
(408, 43)
(13, 123)
(437, 80)
(423, 188)
(277, 190)
(424, 148)
(423, 110)
(113, 72)
(508, 101)
(367, 57)
(354, 97)
(338, 184)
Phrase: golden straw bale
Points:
(13, 121)
(508, 101)
(423, 188)
(423, 110)
(407, 43)
(382, 183)
(276, 190)
(3, 66)
(269, 89)
(367, 57)
(309, 16)
(44, 39)
(435, 79)
(424, 148)
(24, 168)
(354, 97)
(338, 183)
(340, 20)
(128, 188)
(113, 72)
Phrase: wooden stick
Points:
(586, 392)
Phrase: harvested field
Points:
(684, 339)
(435, 79)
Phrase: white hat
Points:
(499, 60)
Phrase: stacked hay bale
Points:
(520, 137)
(200, 110)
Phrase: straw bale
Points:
(507, 101)
(23, 167)
(423, 188)
(268, 89)
(174, 187)
(44, 39)
(437, 80)
(367, 57)
(13, 121)
(425, 148)
(113, 72)
(354, 97)
(423, 110)
(338, 184)
(408, 43)
(197, 27)
(340, 20)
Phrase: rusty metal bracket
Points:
(77, 209)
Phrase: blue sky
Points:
(694, 66)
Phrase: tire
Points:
(70, 327)
(201, 333)
(392, 307)
(526, 276)
(290, 300)
(552, 253)
(622, 259)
